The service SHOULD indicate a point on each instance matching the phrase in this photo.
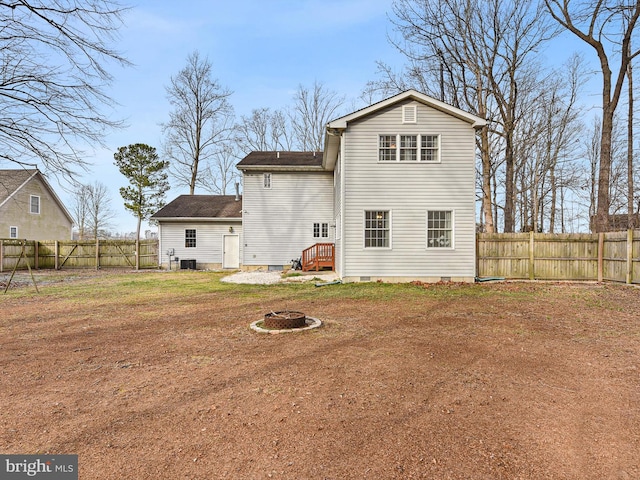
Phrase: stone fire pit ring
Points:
(285, 322)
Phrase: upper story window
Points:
(266, 180)
(13, 232)
(409, 148)
(34, 204)
(430, 148)
(388, 148)
(190, 238)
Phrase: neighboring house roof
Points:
(289, 161)
(335, 127)
(11, 181)
(210, 207)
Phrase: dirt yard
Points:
(158, 375)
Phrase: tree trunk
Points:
(630, 202)
(509, 221)
(604, 171)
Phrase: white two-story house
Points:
(391, 198)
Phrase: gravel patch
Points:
(257, 278)
(260, 277)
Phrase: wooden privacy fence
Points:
(96, 254)
(613, 256)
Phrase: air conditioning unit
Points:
(188, 264)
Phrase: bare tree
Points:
(92, 210)
(312, 109)
(200, 123)
(598, 23)
(264, 131)
(474, 55)
(100, 212)
(80, 209)
(53, 74)
(220, 173)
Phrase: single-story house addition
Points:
(204, 228)
(393, 195)
(30, 208)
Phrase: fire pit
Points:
(284, 320)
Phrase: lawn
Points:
(158, 375)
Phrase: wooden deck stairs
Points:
(319, 257)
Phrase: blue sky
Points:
(262, 50)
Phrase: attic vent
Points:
(409, 114)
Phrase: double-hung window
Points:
(13, 232)
(190, 238)
(388, 148)
(429, 148)
(320, 230)
(34, 204)
(377, 229)
(266, 180)
(409, 148)
(440, 229)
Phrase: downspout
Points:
(343, 170)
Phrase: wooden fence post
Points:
(36, 258)
(97, 253)
(600, 257)
(531, 256)
(56, 254)
(629, 276)
(1, 256)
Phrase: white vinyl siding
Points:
(409, 190)
(277, 223)
(209, 245)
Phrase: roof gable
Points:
(474, 120)
(11, 181)
(201, 206)
(337, 126)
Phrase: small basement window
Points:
(13, 232)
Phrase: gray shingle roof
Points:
(201, 206)
(11, 180)
(281, 159)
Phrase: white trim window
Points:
(377, 229)
(266, 180)
(388, 146)
(34, 204)
(409, 148)
(190, 238)
(429, 148)
(320, 230)
(13, 232)
(440, 229)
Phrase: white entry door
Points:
(230, 251)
